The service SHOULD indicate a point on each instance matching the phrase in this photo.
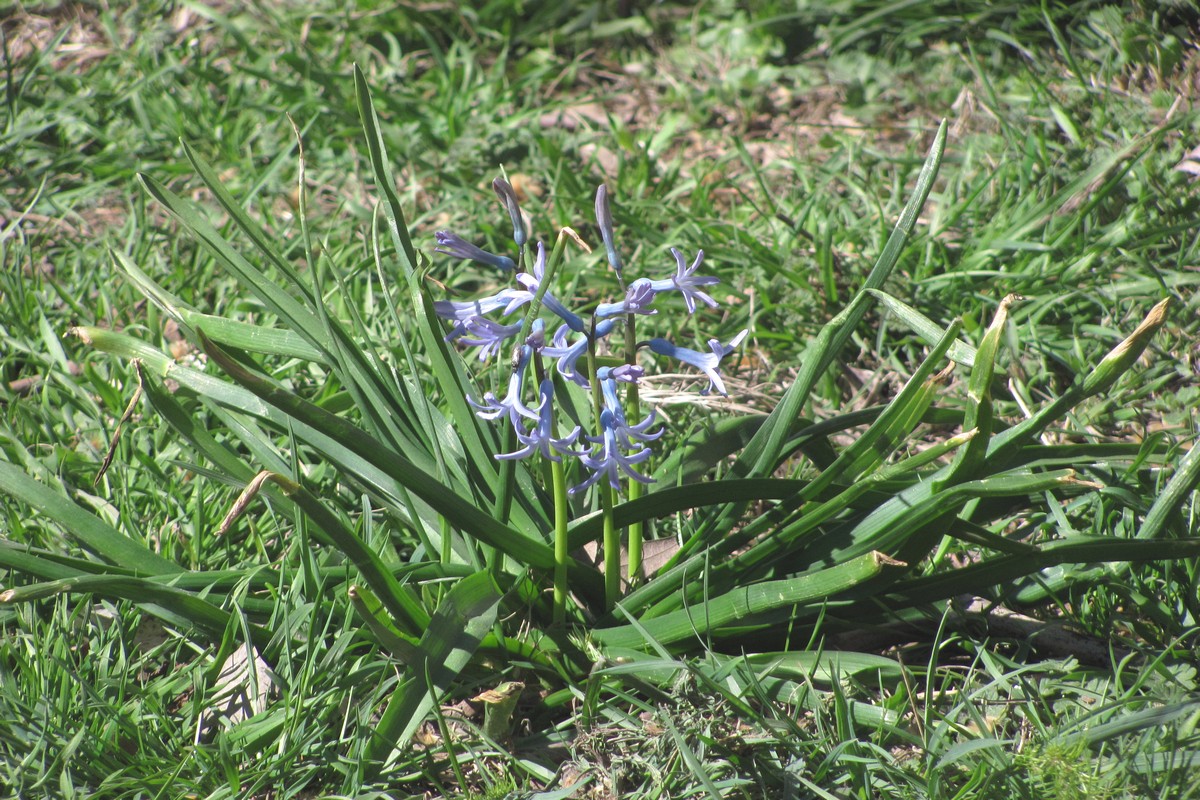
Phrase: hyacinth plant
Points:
(418, 506)
(611, 455)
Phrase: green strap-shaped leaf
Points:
(1004, 446)
(960, 352)
(228, 395)
(1171, 501)
(246, 224)
(294, 314)
(400, 600)
(228, 332)
(386, 183)
(445, 367)
(681, 498)
(469, 519)
(1021, 572)
(456, 630)
(86, 528)
(168, 602)
(979, 398)
(761, 454)
(382, 627)
(905, 526)
(893, 425)
(730, 608)
(47, 565)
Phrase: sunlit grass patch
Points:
(371, 570)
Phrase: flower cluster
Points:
(618, 447)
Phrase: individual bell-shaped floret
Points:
(708, 363)
(540, 436)
(687, 282)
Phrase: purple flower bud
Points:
(627, 373)
(509, 197)
(453, 245)
(537, 336)
(605, 221)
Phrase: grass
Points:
(786, 144)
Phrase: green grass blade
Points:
(960, 352)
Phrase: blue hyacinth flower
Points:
(638, 298)
(613, 458)
(511, 405)
(487, 334)
(540, 437)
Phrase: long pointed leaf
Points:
(88, 529)
(471, 520)
(760, 456)
(739, 604)
(456, 630)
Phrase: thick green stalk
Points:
(634, 413)
(612, 549)
(507, 467)
(558, 474)
(612, 538)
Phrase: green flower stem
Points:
(633, 412)
(562, 517)
(555, 258)
(612, 538)
(447, 549)
(612, 548)
(507, 467)
(558, 474)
